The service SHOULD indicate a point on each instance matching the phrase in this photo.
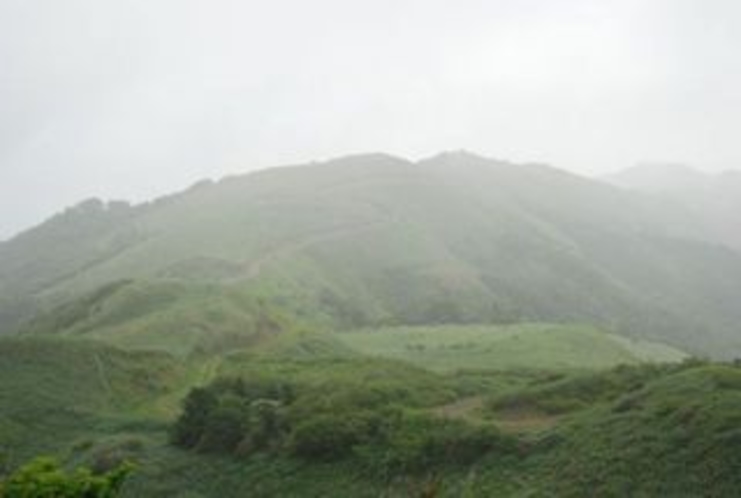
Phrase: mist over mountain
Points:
(713, 198)
(206, 291)
(375, 239)
(661, 178)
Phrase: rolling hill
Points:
(377, 240)
(185, 320)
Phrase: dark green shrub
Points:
(232, 415)
(197, 408)
(44, 478)
(327, 437)
(421, 442)
(225, 425)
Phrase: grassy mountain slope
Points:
(373, 239)
(56, 391)
(533, 346)
(183, 319)
(197, 321)
(677, 435)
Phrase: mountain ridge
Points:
(374, 239)
(713, 198)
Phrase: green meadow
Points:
(506, 347)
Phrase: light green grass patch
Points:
(522, 346)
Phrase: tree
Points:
(44, 478)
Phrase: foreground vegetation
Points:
(302, 415)
(629, 431)
(213, 391)
(44, 478)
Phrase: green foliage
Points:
(44, 478)
(232, 415)
(333, 436)
(423, 444)
(56, 390)
(675, 436)
(296, 416)
(565, 393)
(331, 420)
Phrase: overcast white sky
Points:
(135, 98)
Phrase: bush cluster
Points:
(331, 423)
(44, 478)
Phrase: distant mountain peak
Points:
(462, 158)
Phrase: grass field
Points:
(529, 346)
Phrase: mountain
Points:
(670, 178)
(375, 239)
(712, 198)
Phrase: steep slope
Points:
(376, 239)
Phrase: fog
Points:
(132, 99)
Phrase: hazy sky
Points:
(134, 98)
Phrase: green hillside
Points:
(183, 319)
(357, 425)
(638, 432)
(526, 346)
(376, 240)
(55, 392)
(676, 435)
